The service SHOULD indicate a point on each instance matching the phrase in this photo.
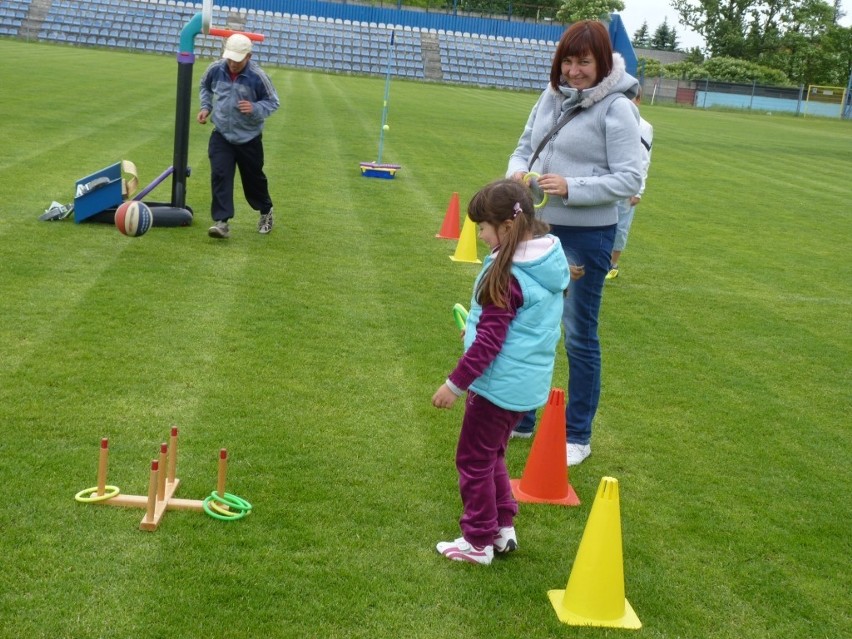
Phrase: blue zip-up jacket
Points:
(220, 95)
(520, 376)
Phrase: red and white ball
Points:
(133, 218)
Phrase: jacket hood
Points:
(543, 260)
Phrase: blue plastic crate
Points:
(98, 192)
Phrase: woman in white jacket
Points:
(585, 167)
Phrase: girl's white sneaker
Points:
(506, 540)
(460, 550)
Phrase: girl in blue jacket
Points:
(510, 341)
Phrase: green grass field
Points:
(312, 354)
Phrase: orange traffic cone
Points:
(450, 226)
(466, 248)
(545, 478)
(594, 595)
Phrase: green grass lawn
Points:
(311, 354)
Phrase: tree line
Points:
(794, 41)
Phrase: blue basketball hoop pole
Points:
(186, 60)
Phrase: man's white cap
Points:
(237, 47)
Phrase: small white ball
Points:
(386, 127)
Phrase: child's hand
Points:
(444, 397)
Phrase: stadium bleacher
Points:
(300, 41)
(12, 16)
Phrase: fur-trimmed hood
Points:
(618, 81)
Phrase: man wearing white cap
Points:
(238, 96)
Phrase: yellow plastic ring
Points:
(528, 178)
(109, 493)
(209, 506)
(230, 514)
(240, 506)
(231, 500)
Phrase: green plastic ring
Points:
(225, 509)
(460, 315)
(206, 505)
(241, 506)
(231, 500)
(109, 493)
(229, 514)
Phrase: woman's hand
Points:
(553, 184)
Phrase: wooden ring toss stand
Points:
(162, 485)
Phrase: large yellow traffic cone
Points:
(466, 248)
(594, 595)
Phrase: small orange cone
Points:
(450, 226)
(545, 478)
(594, 595)
(466, 248)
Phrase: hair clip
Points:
(518, 210)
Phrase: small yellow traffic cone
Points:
(594, 595)
(466, 247)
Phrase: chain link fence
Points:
(708, 93)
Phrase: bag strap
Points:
(547, 138)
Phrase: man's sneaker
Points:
(506, 540)
(613, 272)
(460, 550)
(521, 434)
(577, 453)
(264, 225)
(219, 230)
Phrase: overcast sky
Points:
(654, 11)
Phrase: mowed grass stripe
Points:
(361, 248)
(134, 103)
